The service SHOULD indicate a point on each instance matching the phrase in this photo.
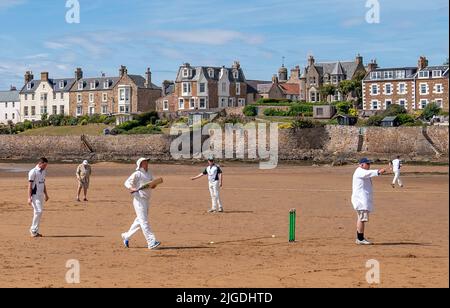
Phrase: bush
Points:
(272, 112)
(84, 122)
(375, 120)
(144, 130)
(353, 112)
(56, 120)
(394, 110)
(250, 111)
(406, 119)
(109, 120)
(416, 123)
(72, 121)
(301, 124)
(343, 107)
(147, 118)
(273, 101)
(285, 126)
(430, 111)
(301, 109)
(128, 125)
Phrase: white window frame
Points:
(236, 74)
(185, 73)
(54, 109)
(399, 89)
(91, 98)
(424, 74)
(165, 105)
(404, 101)
(200, 103)
(238, 88)
(181, 104)
(427, 87)
(422, 101)
(372, 104)
(186, 88)
(391, 86)
(241, 102)
(104, 109)
(80, 85)
(439, 102)
(211, 73)
(435, 75)
(388, 75)
(386, 101)
(79, 98)
(441, 86)
(105, 97)
(61, 109)
(192, 103)
(93, 85)
(29, 86)
(372, 87)
(200, 87)
(61, 95)
(400, 74)
(106, 84)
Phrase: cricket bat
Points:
(152, 184)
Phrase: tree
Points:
(394, 110)
(357, 84)
(431, 110)
(446, 62)
(346, 87)
(327, 90)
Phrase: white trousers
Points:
(141, 207)
(397, 178)
(214, 189)
(38, 207)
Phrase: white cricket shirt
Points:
(362, 197)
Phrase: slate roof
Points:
(252, 85)
(54, 83)
(9, 96)
(198, 71)
(347, 68)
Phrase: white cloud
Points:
(208, 37)
(5, 4)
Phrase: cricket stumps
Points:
(292, 225)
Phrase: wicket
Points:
(292, 225)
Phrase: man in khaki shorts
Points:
(362, 197)
(84, 172)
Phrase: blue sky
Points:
(162, 34)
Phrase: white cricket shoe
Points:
(154, 245)
(212, 211)
(363, 242)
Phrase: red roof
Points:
(290, 88)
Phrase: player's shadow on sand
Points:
(179, 248)
(402, 244)
(238, 212)
(73, 236)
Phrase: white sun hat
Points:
(85, 163)
(140, 161)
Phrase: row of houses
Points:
(210, 88)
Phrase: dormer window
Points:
(80, 85)
(106, 84)
(185, 72)
(388, 75)
(424, 74)
(437, 74)
(29, 86)
(236, 74)
(93, 85)
(211, 73)
(61, 84)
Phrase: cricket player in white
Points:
(396, 165)
(215, 179)
(141, 203)
(362, 197)
(37, 194)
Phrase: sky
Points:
(163, 34)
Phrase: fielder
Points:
(215, 178)
(141, 203)
(37, 194)
(362, 197)
(83, 174)
(395, 166)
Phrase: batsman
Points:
(140, 184)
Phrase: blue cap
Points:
(365, 161)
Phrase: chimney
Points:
(148, 78)
(275, 79)
(295, 73)
(423, 63)
(311, 61)
(373, 65)
(123, 71)
(44, 76)
(236, 65)
(78, 74)
(359, 60)
(28, 76)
